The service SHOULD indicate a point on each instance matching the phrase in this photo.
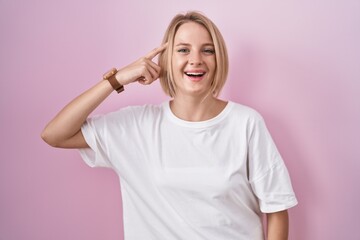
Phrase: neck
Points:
(196, 109)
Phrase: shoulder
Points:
(129, 114)
(137, 112)
(147, 109)
(245, 112)
(248, 118)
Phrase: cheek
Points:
(213, 66)
(176, 69)
(177, 64)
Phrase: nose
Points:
(195, 58)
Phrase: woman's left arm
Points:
(277, 225)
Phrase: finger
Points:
(147, 78)
(154, 65)
(156, 51)
(153, 69)
(141, 80)
(154, 74)
(147, 68)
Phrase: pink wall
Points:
(297, 62)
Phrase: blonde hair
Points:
(221, 56)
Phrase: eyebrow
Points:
(188, 44)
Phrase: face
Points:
(193, 60)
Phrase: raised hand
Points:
(143, 70)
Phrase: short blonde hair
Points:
(221, 56)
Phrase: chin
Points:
(195, 87)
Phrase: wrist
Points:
(111, 77)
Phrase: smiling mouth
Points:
(199, 74)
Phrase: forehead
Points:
(192, 32)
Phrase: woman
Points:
(195, 167)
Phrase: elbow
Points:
(49, 138)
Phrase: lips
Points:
(192, 74)
(195, 75)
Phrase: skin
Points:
(193, 51)
(63, 130)
(277, 225)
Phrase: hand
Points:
(144, 70)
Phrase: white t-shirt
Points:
(183, 180)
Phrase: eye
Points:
(209, 51)
(183, 50)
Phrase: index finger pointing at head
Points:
(156, 51)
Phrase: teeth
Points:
(194, 74)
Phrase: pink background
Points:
(296, 62)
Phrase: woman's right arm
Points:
(64, 130)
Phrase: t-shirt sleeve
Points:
(114, 138)
(97, 153)
(268, 175)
